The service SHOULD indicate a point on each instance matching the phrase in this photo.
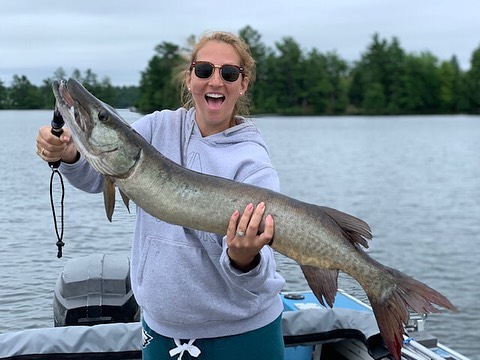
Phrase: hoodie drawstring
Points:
(181, 348)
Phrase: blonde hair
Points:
(242, 107)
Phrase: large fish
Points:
(320, 239)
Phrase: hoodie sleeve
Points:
(83, 176)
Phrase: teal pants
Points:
(263, 343)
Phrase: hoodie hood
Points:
(238, 153)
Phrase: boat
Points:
(96, 317)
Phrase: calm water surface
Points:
(415, 180)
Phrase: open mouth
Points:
(73, 107)
(65, 95)
(214, 100)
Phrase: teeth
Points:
(216, 96)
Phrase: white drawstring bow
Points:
(181, 348)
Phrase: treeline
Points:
(385, 80)
(22, 94)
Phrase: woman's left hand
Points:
(243, 240)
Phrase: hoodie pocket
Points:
(162, 255)
(179, 283)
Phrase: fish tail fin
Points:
(391, 309)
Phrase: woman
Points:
(211, 296)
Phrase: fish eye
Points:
(103, 115)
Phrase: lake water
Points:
(415, 180)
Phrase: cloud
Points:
(116, 38)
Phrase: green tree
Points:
(325, 87)
(374, 99)
(260, 89)
(318, 86)
(269, 102)
(59, 74)
(103, 89)
(394, 74)
(336, 70)
(159, 84)
(452, 93)
(473, 83)
(106, 91)
(45, 93)
(3, 95)
(357, 85)
(126, 96)
(77, 74)
(460, 99)
(422, 84)
(368, 71)
(23, 95)
(90, 79)
(381, 67)
(288, 77)
(47, 100)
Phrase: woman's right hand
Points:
(52, 148)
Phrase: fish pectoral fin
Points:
(109, 197)
(126, 200)
(355, 229)
(323, 282)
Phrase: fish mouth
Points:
(65, 95)
(78, 105)
(70, 107)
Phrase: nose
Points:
(216, 78)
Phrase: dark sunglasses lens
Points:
(230, 73)
(203, 70)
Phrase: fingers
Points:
(243, 227)
(52, 148)
(232, 224)
(268, 232)
(48, 145)
(49, 152)
(249, 223)
(243, 238)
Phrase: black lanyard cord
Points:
(57, 125)
(60, 242)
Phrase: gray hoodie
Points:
(182, 278)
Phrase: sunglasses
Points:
(205, 69)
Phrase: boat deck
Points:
(418, 345)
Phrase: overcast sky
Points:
(116, 38)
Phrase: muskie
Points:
(320, 239)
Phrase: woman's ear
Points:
(244, 86)
(188, 79)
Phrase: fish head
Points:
(99, 132)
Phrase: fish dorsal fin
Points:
(126, 200)
(323, 282)
(109, 197)
(355, 229)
